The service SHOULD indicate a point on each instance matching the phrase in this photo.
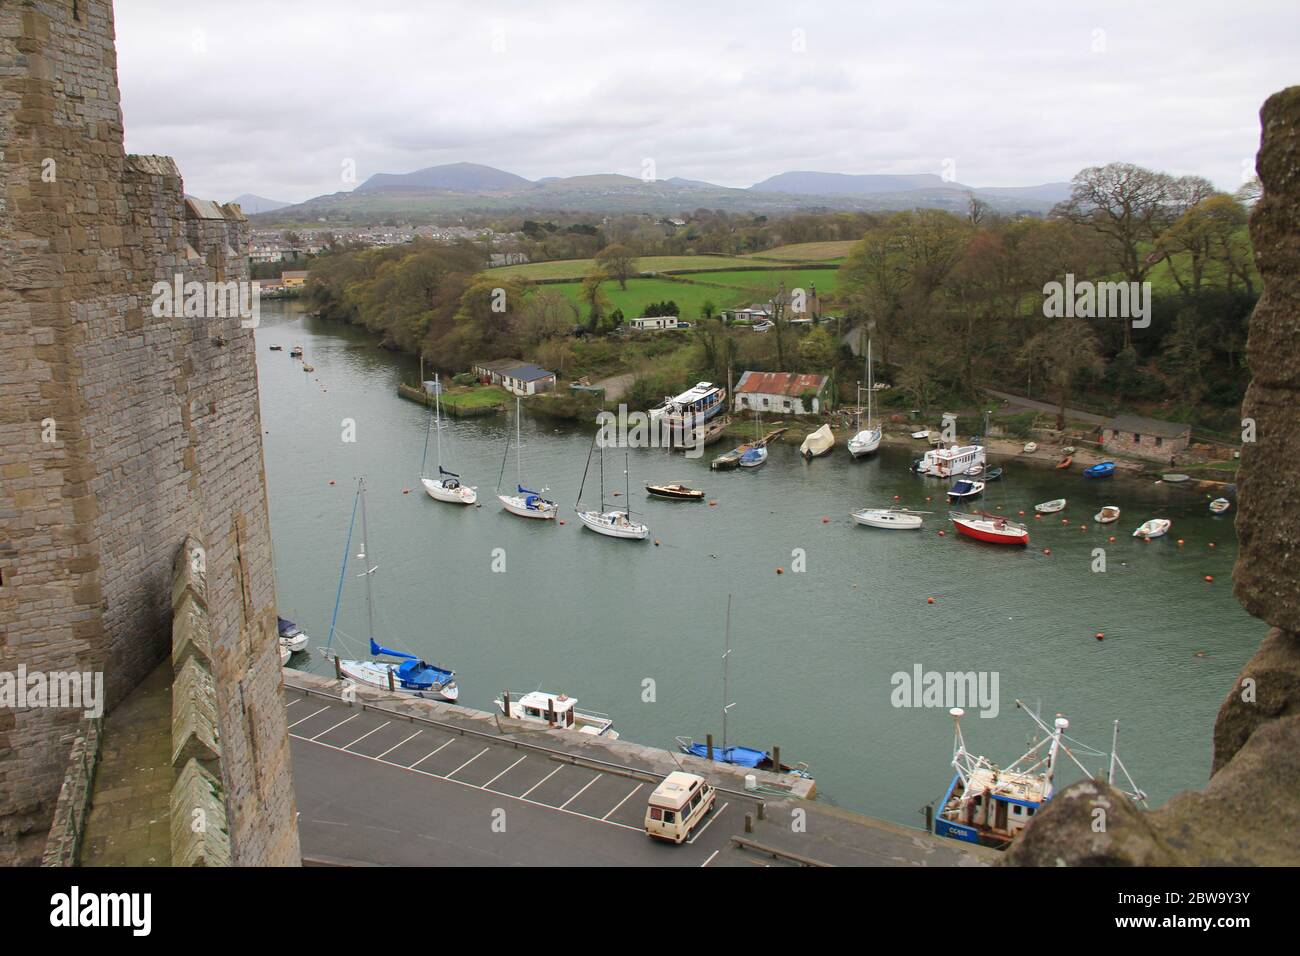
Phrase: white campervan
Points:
(677, 806)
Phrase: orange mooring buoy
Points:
(1209, 577)
(780, 570)
(713, 504)
(1047, 551)
(929, 600)
(656, 542)
(406, 491)
(1100, 636)
(825, 520)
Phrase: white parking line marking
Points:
(368, 733)
(506, 771)
(395, 746)
(468, 762)
(623, 801)
(308, 717)
(428, 755)
(540, 782)
(339, 724)
(710, 859)
(579, 793)
(700, 832)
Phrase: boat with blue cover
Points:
(524, 502)
(1103, 469)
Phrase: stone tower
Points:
(123, 428)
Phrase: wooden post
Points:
(762, 810)
(776, 759)
(929, 818)
(338, 669)
(391, 685)
(505, 699)
(709, 751)
(749, 823)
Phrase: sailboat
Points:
(525, 503)
(739, 756)
(412, 675)
(447, 486)
(756, 452)
(867, 439)
(614, 524)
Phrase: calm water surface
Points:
(813, 652)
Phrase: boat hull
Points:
(660, 491)
(864, 442)
(375, 674)
(989, 531)
(613, 524)
(1153, 529)
(818, 443)
(518, 505)
(884, 518)
(460, 495)
(753, 458)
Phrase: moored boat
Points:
(923, 433)
(1107, 515)
(291, 635)
(1050, 507)
(990, 528)
(295, 352)
(898, 519)
(681, 415)
(277, 348)
(944, 462)
(993, 474)
(818, 443)
(1103, 469)
(965, 488)
(753, 456)
(866, 440)
(524, 502)
(1065, 462)
(1153, 528)
(611, 523)
(1219, 505)
(447, 486)
(1175, 478)
(676, 492)
(1031, 447)
(557, 711)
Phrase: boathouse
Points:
(1145, 437)
(527, 379)
(785, 392)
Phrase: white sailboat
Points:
(611, 523)
(412, 675)
(447, 486)
(867, 439)
(525, 503)
(897, 519)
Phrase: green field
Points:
(808, 251)
(641, 292)
(764, 283)
(581, 268)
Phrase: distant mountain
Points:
(691, 183)
(1047, 192)
(453, 177)
(844, 184)
(251, 205)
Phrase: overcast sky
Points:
(274, 97)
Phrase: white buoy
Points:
(751, 781)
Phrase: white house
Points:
(785, 392)
(653, 323)
(527, 379)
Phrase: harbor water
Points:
(636, 629)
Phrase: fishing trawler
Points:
(556, 711)
(678, 417)
(992, 805)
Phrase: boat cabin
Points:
(950, 462)
(993, 808)
(555, 710)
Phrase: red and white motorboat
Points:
(994, 529)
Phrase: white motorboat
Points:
(1050, 507)
(1176, 478)
(923, 433)
(557, 711)
(524, 502)
(899, 519)
(1153, 528)
(611, 523)
(965, 488)
(1107, 515)
(867, 439)
(1219, 505)
(447, 486)
(818, 443)
(291, 635)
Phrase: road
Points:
(375, 788)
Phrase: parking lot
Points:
(374, 788)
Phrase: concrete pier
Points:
(387, 779)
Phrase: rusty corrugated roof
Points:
(780, 383)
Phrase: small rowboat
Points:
(1106, 515)
(993, 474)
(966, 489)
(1175, 478)
(898, 519)
(1031, 447)
(676, 492)
(295, 352)
(277, 348)
(1153, 528)
(1065, 462)
(993, 529)
(308, 368)
(1050, 507)
(1102, 469)
(923, 433)
(1220, 505)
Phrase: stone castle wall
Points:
(155, 426)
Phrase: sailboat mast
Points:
(871, 385)
(437, 416)
(726, 675)
(627, 483)
(370, 603)
(602, 477)
(519, 447)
